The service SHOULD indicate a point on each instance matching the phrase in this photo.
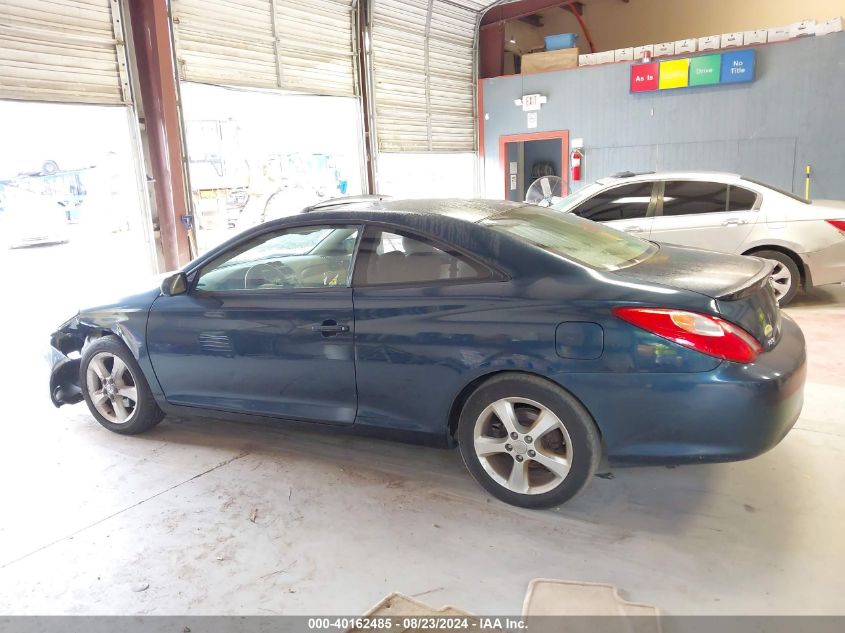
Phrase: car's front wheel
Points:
(114, 388)
(527, 441)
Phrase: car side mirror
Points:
(175, 284)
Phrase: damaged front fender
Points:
(125, 318)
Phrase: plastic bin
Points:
(561, 40)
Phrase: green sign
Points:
(705, 70)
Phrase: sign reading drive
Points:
(705, 70)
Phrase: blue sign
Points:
(738, 67)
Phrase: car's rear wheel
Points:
(786, 278)
(114, 388)
(527, 441)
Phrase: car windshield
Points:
(572, 237)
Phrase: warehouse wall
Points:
(615, 24)
(791, 115)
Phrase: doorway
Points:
(525, 157)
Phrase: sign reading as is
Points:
(644, 77)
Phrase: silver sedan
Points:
(725, 212)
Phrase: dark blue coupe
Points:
(534, 340)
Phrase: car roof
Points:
(466, 209)
(720, 176)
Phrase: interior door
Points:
(627, 207)
(704, 214)
(525, 157)
(266, 328)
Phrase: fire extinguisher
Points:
(575, 160)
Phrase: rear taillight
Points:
(701, 332)
(838, 225)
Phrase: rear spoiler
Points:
(751, 285)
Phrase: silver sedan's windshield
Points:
(575, 198)
(572, 237)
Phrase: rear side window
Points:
(783, 192)
(689, 197)
(396, 258)
(740, 199)
(627, 202)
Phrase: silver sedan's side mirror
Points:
(175, 284)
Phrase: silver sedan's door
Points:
(704, 214)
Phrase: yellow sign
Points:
(674, 74)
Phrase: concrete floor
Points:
(90, 517)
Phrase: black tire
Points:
(145, 413)
(584, 453)
(790, 266)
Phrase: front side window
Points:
(572, 237)
(689, 197)
(303, 257)
(628, 202)
(394, 258)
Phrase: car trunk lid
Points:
(740, 285)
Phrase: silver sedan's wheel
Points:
(523, 446)
(782, 280)
(112, 388)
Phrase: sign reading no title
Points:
(705, 70)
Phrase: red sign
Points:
(644, 77)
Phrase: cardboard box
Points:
(550, 60)
(760, 36)
(778, 34)
(802, 28)
(623, 55)
(729, 40)
(643, 51)
(662, 50)
(686, 46)
(605, 57)
(709, 43)
(834, 25)
(587, 60)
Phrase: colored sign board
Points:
(705, 70)
(738, 67)
(674, 74)
(644, 77)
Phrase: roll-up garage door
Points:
(62, 50)
(298, 45)
(423, 55)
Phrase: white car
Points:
(725, 212)
(30, 219)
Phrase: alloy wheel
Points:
(781, 280)
(112, 388)
(523, 446)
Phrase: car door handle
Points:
(633, 229)
(734, 221)
(329, 328)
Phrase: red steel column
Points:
(150, 26)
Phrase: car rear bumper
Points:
(827, 265)
(731, 413)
